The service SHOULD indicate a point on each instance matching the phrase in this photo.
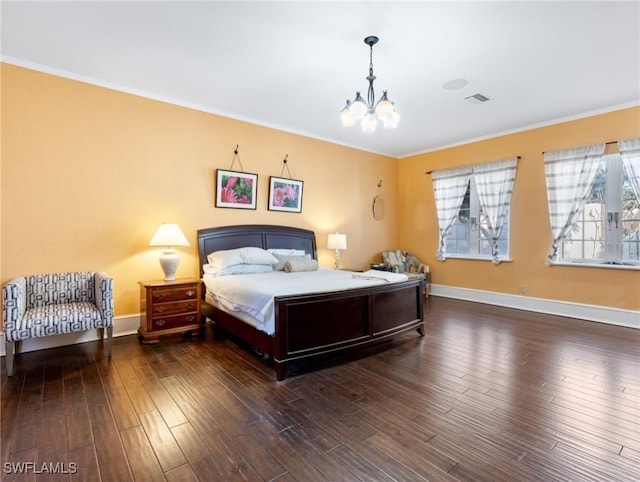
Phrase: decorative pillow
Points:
(282, 259)
(237, 269)
(287, 252)
(304, 264)
(230, 257)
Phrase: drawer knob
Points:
(191, 318)
(191, 305)
(160, 309)
(191, 293)
(160, 296)
(161, 322)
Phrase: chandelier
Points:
(368, 112)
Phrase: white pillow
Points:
(221, 259)
(282, 259)
(257, 256)
(230, 257)
(237, 269)
(287, 252)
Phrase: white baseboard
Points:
(128, 325)
(602, 314)
(122, 325)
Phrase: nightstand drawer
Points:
(175, 321)
(166, 309)
(161, 295)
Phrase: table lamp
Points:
(169, 235)
(337, 241)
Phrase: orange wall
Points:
(530, 231)
(89, 173)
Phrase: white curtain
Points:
(494, 183)
(449, 188)
(569, 174)
(630, 152)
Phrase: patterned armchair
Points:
(51, 304)
(406, 263)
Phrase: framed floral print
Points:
(285, 194)
(236, 189)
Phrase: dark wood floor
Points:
(490, 394)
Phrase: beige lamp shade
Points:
(337, 241)
(168, 235)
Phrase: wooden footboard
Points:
(311, 325)
(307, 326)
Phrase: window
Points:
(607, 230)
(472, 203)
(470, 235)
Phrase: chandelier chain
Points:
(371, 96)
(370, 59)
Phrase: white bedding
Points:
(251, 295)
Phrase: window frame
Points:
(474, 225)
(612, 239)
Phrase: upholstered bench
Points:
(52, 304)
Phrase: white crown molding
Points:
(601, 314)
(516, 130)
(128, 90)
(169, 100)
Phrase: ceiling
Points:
(291, 65)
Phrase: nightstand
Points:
(168, 307)
(380, 267)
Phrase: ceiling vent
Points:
(477, 98)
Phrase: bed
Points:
(312, 324)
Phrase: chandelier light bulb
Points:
(391, 122)
(347, 120)
(384, 107)
(369, 122)
(346, 116)
(358, 108)
(367, 112)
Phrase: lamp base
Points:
(337, 259)
(169, 261)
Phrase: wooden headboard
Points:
(263, 236)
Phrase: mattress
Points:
(250, 297)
